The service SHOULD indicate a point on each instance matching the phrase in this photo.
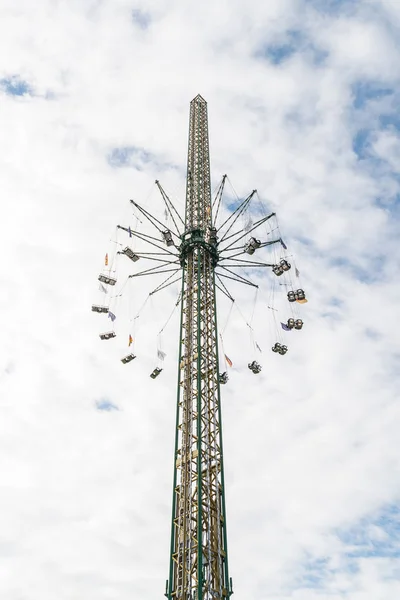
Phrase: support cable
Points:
(227, 318)
(225, 289)
(165, 284)
(176, 304)
(169, 205)
(241, 208)
(153, 272)
(153, 220)
(263, 245)
(248, 265)
(146, 238)
(255, 225)
(169, 262)
(219, 198)
(239, 277)
(235, 279)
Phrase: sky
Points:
(303, 99)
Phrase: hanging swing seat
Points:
(300, 295)
(279, 348)
(127, 358)
(130, 254)
(277, 270)
(223, 378)
(291, 323)
(297, 296)
(255, 367)
(99, 309)
(285, 265)
(213, 235)
(155, 373)
(107, 280)
(167, 237)
(252, 245)
(107, 335)
(298, 324)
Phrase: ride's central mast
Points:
(207, 255)
(199, 561)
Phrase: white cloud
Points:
(311, 443)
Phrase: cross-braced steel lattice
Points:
(199, 561)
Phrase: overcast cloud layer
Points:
(303, 100)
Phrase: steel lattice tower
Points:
(199, 558)
(202, 256)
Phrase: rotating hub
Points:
(195, 239)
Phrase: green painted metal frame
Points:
(198, 259)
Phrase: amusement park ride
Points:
(205, 255)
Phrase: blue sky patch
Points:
(305, 241)
(233, 204)
(314, 574)
(381, 115)
(333, 7)
(141, 18)
(14, 86)
(372, 334)
(129, 156)
(278, 52)
(106, 405)
(364, 91)
(293, 41)
(374, 536)
(335, 301)
(361, 143)
(372, 273)
(390, 120)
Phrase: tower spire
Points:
(199, 560)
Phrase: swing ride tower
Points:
(199, 557)
(202, 256)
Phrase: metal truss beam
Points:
(170, 207)
(146, 238)
(153, 220)
(198, 561)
